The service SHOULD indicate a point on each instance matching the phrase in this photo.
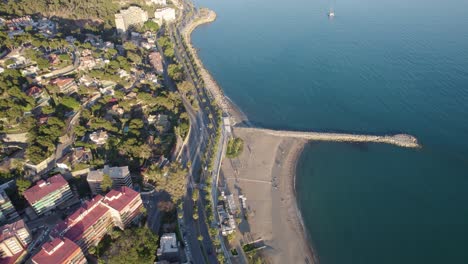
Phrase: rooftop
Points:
(168, 243)
(113, 172)
(61, 81)
(9, 230)
(119, 199)
(81, 219)
(44, 188)
(57, 251)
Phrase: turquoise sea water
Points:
(378, 67)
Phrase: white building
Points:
(156, 2)
(120, 176)
(166, 14)
(129, 17)
(99, 137)
(169, 248)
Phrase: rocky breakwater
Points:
(401, 140)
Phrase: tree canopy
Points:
(136, 245)
(234, 147)
(170, 179)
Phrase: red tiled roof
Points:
(33, 90)
(120, 198)
(76, 232)
(9, 230)
(61, 81)
(57, 251)
(81, 219)
(11, 260)
(43, 188)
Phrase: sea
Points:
(377, 67)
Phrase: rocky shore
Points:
(206, 16)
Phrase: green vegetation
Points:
(134, 245)
(151, 26)
(92, 10)
(234, 147)
(248, 247)
(106, 183)
(22, 185)
(175, 72)
(195, 194)
(170, 179)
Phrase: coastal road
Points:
(191, 153)
(205, 106)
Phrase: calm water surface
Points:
(379, 67)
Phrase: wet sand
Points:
(265, 174)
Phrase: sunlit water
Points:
(378, 67)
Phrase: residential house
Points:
(156, 61)
(66, 85)
(157, 2)
(87, 63)
(35, 92)
(99, 137)
(77, 155)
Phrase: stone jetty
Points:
(401, 140)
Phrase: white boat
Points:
(331, 13)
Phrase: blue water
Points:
(378, 67)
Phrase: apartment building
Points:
(166, 14)
(120, 176)
(14, 240)
(8, 212)
(47, 195)
(129, 17)
(88, 225)
(59, 250)
(125, 205)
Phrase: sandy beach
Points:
(265, 174)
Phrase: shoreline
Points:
(207, 16)
(290, 165)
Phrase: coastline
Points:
(206, 16)
(293, 174)
(283, 201)
(295, 220)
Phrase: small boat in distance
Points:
(331, 13)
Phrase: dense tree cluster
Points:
(71, 9)
(234, 147)
(134, 245)
(170, 179)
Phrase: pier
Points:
(401, 140)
